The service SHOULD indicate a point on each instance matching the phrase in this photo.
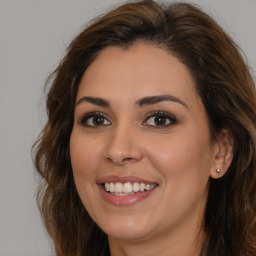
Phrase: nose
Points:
(123, 146)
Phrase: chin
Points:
(128, 230)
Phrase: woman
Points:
(150, 142)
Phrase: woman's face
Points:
(140, 146)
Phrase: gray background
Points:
(33, 38)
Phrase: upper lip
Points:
(124, 179)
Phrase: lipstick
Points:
(125, 191)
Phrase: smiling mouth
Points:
(127, 188)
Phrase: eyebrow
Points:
(94, 100)
(156, 99)
(149, 100)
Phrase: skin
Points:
(178, 155)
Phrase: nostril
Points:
(127, 159)
(120, 161)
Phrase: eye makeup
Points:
(94, 119)
(158, 119)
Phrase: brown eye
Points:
(98, 120)
(94, 120)
(160, 119)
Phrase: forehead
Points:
(138, 71)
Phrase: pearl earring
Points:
(218, 172)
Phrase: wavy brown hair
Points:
(225, 85)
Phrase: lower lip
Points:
(125, 200)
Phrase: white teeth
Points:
(136, 187)
(152, 186)
(112, 187)
(147, 187)
(142, 187)
(127, 188)
(118, 187)
(107, 187)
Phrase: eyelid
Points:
(171, 117)
(81, 120)
(85, 117)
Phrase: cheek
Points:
(184, 164)
(183, 157)
(84, 161)
(85, 157)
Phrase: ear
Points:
(223, 154)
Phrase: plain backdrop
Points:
(33, 38)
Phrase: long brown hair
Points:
(226, 88)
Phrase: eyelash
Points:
(162, 114)
(84, 119)
(159, 113)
